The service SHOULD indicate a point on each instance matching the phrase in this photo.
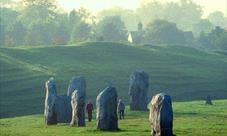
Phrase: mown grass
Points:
(184, 73)
(190, 119)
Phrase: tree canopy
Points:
(163, 32)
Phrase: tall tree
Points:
(81, 32)
(38, 11)
(73, 18)
(185, 13)
(129, 17)
(163, 32)
(204, 25)
(216, 39)
(217, 18)
(111, 28)
(18, 33)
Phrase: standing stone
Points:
(78, 107)
(77, 83)
(138, 88)
(57, 108)
(161, 115)
(63, 109)
(208, 100)
(51, 95)
(106, 104)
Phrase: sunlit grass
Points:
(190, 118)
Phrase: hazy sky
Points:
(97, 5)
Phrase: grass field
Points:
(190, 119)
(183, 72)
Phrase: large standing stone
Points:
(57, 108)
(78, 107)
(138, 88)
(77, 83)
(161, 115)
(106, 104)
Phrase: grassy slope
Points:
(183, 72)
(190, 119)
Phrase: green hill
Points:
(190, 119)
(183, 72)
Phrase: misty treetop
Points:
(43, 22)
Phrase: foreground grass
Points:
(190, 119)
(182, 72)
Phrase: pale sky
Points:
(97, 5)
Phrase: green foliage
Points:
(81, 32)
(111, 28)
(204, 25)
(8, 17)
(217, 18)
(73, 18)
(129, 17)
(163, 32)
(216, 39)
(61, 35)
(40, 34)
(38, 11)
(184, 73)
(190, 118)
(185, 14)
(18, 33)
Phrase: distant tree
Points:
(185, 13)
(8, 18)
(190, 14)
(61, 34)
(204, 41)
(163, 32)
(129, 17)
(81, 32)
(84, 14)
(73, 18)
(150, 11)
(204, 25)
(111, 28)
(40, 19)
(216, 39)
(40, 34)
(217, 19)
(222, 41)
(38, 11)
(18, 33)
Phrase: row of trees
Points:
(42, 22)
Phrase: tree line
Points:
(43, 22)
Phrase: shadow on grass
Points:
(116, 131)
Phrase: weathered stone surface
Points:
(77, 83)
(106, 104)
(161, 115)
(78, 108)
(138, 88)
(57, 108)
(208, 100)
